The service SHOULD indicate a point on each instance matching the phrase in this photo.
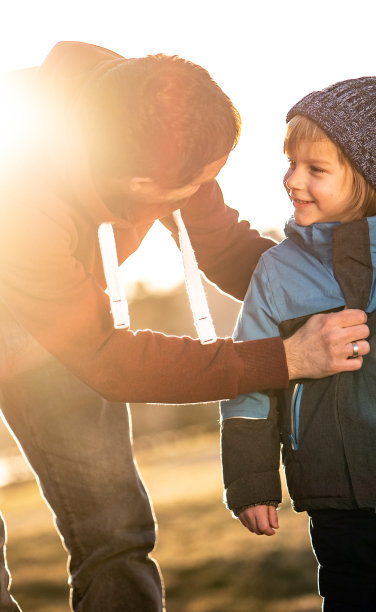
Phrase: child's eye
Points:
(317, 170)
(292, 163)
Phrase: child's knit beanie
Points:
(346, 111)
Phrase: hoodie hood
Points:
(71, 65)
(61, 82)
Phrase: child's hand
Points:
(261, 520)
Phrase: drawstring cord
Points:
(115, 285)
(197, 298)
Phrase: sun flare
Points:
(18, 116)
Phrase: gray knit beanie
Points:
(346, 111)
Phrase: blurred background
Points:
(266, 56)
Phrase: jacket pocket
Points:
(295, 415)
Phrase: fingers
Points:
(352, 362)
(340, 345)
(334, 329)
(362, 348)
(351, 334)
(348, 318)
(261, 520)
(273, 517)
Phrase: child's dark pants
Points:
(344, 542)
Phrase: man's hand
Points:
(323, 345)
(261, 520)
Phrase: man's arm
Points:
(227, 249)
(52, 296)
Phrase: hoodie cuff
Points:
(265, 365)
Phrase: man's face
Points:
(147, 201)
(149, 191)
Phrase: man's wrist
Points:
(291, 359)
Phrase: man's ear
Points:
(139, 184)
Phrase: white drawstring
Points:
(197, 298)
(200, 309)
(115, 285)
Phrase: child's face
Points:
(319, 185)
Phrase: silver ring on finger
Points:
(355, 349)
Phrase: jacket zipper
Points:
(295, 413)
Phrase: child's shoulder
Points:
(283, 260)
(280, 251)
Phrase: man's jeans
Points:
(80, 449)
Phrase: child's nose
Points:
(294, 179)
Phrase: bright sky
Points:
(265, 54)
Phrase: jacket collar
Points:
(315, 238)
(349, 249)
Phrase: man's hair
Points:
(160, 117)
(300, 128)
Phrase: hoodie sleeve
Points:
(227, 249)
(51, 294)
(250, 439)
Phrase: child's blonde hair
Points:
(301, 128)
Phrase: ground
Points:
(209, 561)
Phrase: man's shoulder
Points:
(31, 216)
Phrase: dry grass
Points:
(209, 561)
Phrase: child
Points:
(327, 427)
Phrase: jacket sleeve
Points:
(51, 294)
(227, 249)
(250, 439)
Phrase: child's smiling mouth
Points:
(297, 202)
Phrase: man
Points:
(122, 142)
